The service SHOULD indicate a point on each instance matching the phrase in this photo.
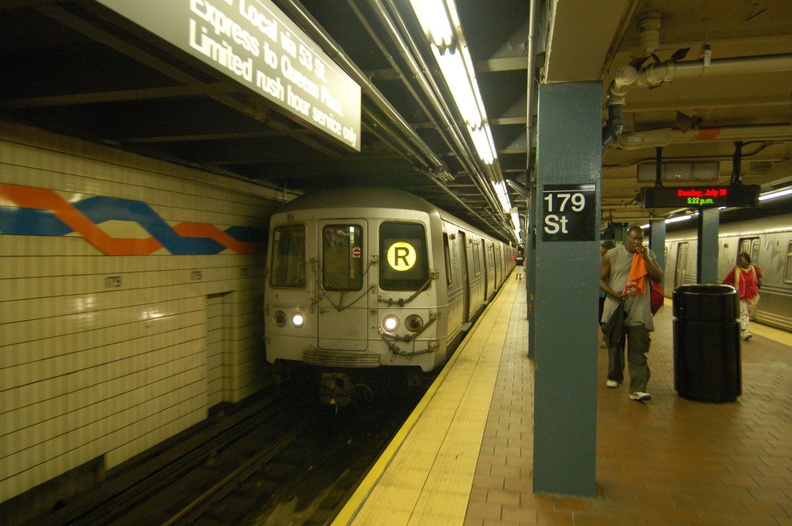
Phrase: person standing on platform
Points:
(624, 275)
(744, 278)
(519, 261)
(604, 247)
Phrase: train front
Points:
(350, 291)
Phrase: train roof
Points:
(371, 197)
(361, 197)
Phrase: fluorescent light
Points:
(483, 144)
(515, 218)
(453, 67)
(434, 21)
(440, 23)
(776, 194)
(503, 196)
(677, 219)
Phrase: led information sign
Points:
(256, 44)
(569, 212)
(699, 196)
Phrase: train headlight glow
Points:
(280, 318)
(298, 320)
(413, 323)
(390, 323)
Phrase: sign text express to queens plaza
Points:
(257, 45)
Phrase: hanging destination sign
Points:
(257, 45)
(699, 196)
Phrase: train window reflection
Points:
(403, 260)
(288, 256)
(342, 257)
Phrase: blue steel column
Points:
(530, 273)
(565, 331)
(707, 256)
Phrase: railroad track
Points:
(280, 461)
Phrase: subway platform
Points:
(464, 457)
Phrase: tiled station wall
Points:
(130, 302)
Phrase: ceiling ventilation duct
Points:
(659, 73)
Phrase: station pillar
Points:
(707, 256)
(563, 325)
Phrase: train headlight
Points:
(298, 320)
(413, 323)
(280, 318)
(390, 323)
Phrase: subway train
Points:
(767, 240)
(362, 279)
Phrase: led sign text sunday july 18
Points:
(699, 196)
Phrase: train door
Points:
(496, 263)
(749, 245)
(680, 272)
(485, 262)
(465, 277)
(343, 285)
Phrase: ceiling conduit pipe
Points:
(297, 12)
(414, 69)
(412, 57)
(299, 15)
(660, 73)
(530, 90)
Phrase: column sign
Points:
(569, 212)
(256, 44)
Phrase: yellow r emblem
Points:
(401, 256)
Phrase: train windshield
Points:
(403, 259)
(342, 257)
(288, 256)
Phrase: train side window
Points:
(788, 265)
(750, 245)
(342, 261)
(288, 256)
(476, 260)
(404, 264)
(447, 256)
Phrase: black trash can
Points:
(707, 343)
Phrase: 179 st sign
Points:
(568, 212)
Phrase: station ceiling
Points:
(77, 68)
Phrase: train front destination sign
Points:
(255, 44)
(699, 196)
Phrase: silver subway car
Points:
(767, 240)
(364, 278)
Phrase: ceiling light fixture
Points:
(775, 194)
(442, 28)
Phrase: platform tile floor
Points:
(670, 461)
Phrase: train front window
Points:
(403, 260)
(288, 257)
(342, 257)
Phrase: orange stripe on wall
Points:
(212, 232)
(43, 199)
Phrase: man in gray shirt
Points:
(624, 275)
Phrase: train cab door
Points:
(342, 285)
